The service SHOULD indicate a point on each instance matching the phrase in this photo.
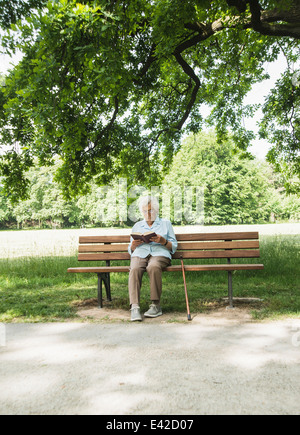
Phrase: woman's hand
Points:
(135, 244)
(158, 239)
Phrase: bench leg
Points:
(230, 292)
(105, 277)
(100, 302)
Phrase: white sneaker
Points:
(136, 315)
(154, 311)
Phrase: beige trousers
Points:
(154, 267)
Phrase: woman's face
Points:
(149, 213)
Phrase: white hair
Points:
(145, 200)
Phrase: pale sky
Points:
(257, 95)
(6, 61)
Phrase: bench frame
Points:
(191, 246)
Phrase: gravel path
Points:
(210, 366)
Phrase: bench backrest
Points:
(200, 245)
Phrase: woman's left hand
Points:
(158, 239)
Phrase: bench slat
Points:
(175, 268)
(217, 236)
(180, 237)
(104, 256)
(98, 269)
(249, 244)
(103, 248)
(250, 253)
(181, 246)
(105, 239)
(207, 267)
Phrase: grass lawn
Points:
(39, 289)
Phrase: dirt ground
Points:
(88, 310)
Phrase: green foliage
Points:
(13, 10)
(12, 167)
(110, 86)
(236, 191)
(281, 126)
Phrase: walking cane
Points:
(186, 294)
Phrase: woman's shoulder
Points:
(165, 221)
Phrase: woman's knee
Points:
(136, 269)
(154, 269)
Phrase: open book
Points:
(145, 237)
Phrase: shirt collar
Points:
(144, 222)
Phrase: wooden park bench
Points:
(223, 246)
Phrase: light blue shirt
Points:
(162, 227)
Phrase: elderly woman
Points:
(152, 257)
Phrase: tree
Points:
(236, 190)
(111, 85)
(44, 204)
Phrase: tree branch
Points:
(277, 22)
(151, 58)
(106, 128)
(190, 72)
(260, 21)
(239, 4)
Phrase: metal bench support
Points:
(230, 291)
(104, 277)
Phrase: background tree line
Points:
(236, 191)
